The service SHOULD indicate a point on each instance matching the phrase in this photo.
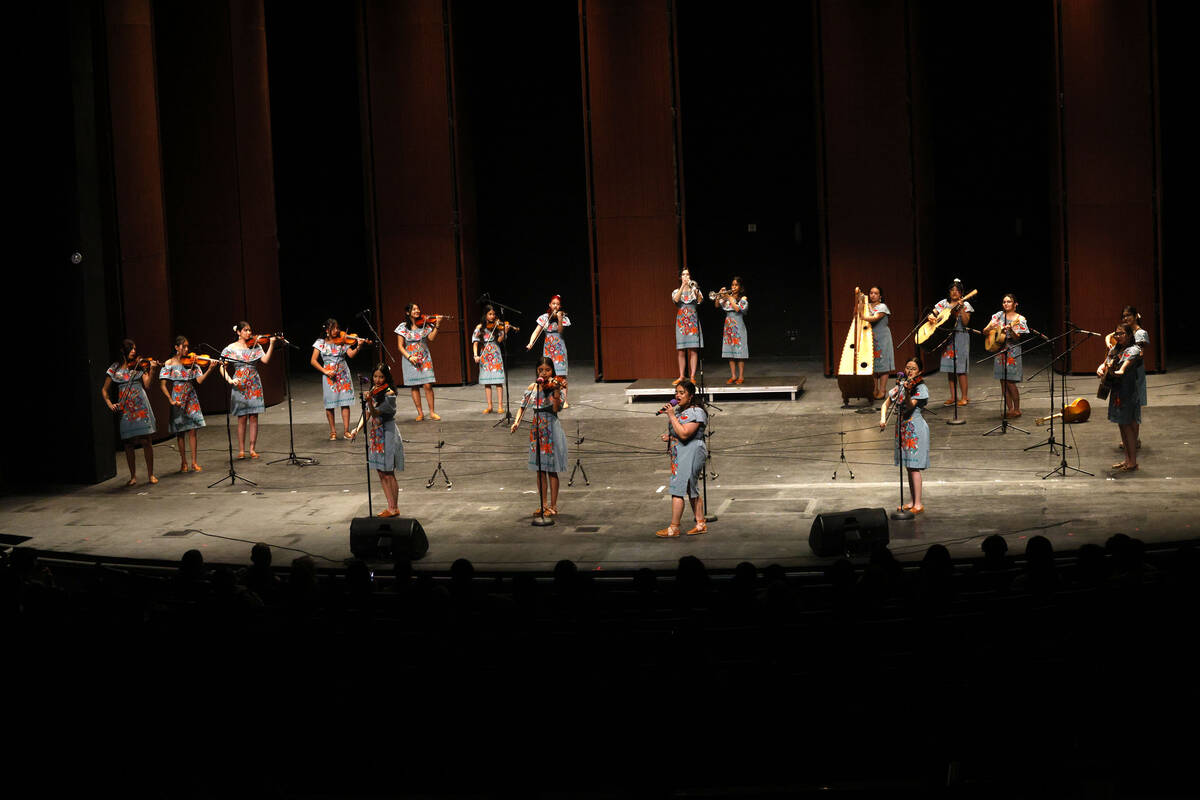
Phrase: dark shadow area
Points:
(988, 86)
(324, 267)
(746, 111)
(517, 75)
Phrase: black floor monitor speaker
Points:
(387, 537)
(854, 532)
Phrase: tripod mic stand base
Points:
(296, 461)
(542, 522)
(956, 422)
(900, 514)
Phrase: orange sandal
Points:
(669, 532)
(701, 527)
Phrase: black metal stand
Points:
(1050, 441)
(954, 383)
(439, 468)
(1004, 425)
(706, 401)
(232, 475)
(291, 458)
(578, 460)
(367, 448)
(900, 513)
(541, 520)
(508, 417)
(1064, 468)
(842, 458)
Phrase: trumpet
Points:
(723, 292)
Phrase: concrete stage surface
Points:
(775, 462)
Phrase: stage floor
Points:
(776, 461)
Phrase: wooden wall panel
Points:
(1109, 169)
(634, 182)
(219, 181)
(421, 253)
(866, 169)
(138, 184)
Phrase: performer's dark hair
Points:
(1133, 311)
(1127, 330)
(483, 316)
(387, 374)
(690, 388)
(1013, 296)
(329, 323)
(408, 312)
(127, 346)
(241, 323)
(180, 339)
(549, 362)
(741, 286)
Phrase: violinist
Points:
(414, 336)
(175, 380)
(337, 390)
(909, 396)
(735, 345)
(1007, 366)
(555, 348)
(490, 332)
(956, 357)
(547, 442)
(246, 397)
(689, 336)
(1124, 408)
(132, 375)
(877, 313)
(385, 448)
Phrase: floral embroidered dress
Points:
(491, 362)
(554, 348)
(956, 358)
(545, 430)
(1123, 405)
(246, 397)
(415, 344)
(688, 333)
(187, 415)
(337, 389)
(1142, 340)
(912, 449)
(137, 418)
(1015, 370)
(734, 342)
(385, 448)
(687, 458)
(884, 355)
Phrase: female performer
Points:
(687, 421)
(1124, 407)
(689, 336)
(545, 434)
(735, 345)
(414, 336)
(132, 375)
(175, 379)
(876, 312)
(912, 445)
(554, 348)
(1007, 367)
(1131, 317)
(490, 332)
(246, 397)
(385, 448)
(337, 388)
(956, 358)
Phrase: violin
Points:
(505, 326)
(143, 363)
(548, 385)
(264, 339)
(352, 339)
(198, 360)
(426, 319)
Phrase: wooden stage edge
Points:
(661, 387)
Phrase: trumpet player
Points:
(689, 337)
(735, 345)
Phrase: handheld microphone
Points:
(674, 402)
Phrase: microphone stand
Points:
(439, 468)
(365, 316)
(900, 513)
(578, 458)
(1063, 467)
(1004, 423)
(232, 475)
(362, 399)
(1050, 442)
(952, 337)
(291, 457)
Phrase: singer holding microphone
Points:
(686, 420)
(909, 396)
(547, 442)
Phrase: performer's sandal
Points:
(433, 415)
(1124, 468)
(348, 436)
(669, 532)
(701, 527)
(196, 467)
(333, 436)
